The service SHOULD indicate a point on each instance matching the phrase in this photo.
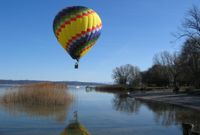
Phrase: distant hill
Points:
(37, 81)
(80, 83)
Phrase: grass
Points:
(111, 87)
(125, 88)
(117, 87)
(46, 94)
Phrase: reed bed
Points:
(46, 94)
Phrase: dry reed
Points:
(46, 94)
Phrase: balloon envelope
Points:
(77, 30)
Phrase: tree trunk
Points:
(175, 86)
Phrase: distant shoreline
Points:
(15, 82)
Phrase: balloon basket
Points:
(76, 66)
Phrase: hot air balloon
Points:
(77, 29)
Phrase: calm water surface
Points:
(101, 114)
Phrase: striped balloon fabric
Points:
(77, 30)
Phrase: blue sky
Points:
(133, 31)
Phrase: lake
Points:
(101, 113)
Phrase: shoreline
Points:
(181, 100)
(184, 99)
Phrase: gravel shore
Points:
(168, 97)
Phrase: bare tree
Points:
(190, 27)
(155, 76)
(126, 75)
(190, 60)
(170, 63)
(135, 76)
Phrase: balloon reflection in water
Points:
(75, 128)
(124, 103)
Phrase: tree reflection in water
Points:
(169, 115)
(123, 103)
